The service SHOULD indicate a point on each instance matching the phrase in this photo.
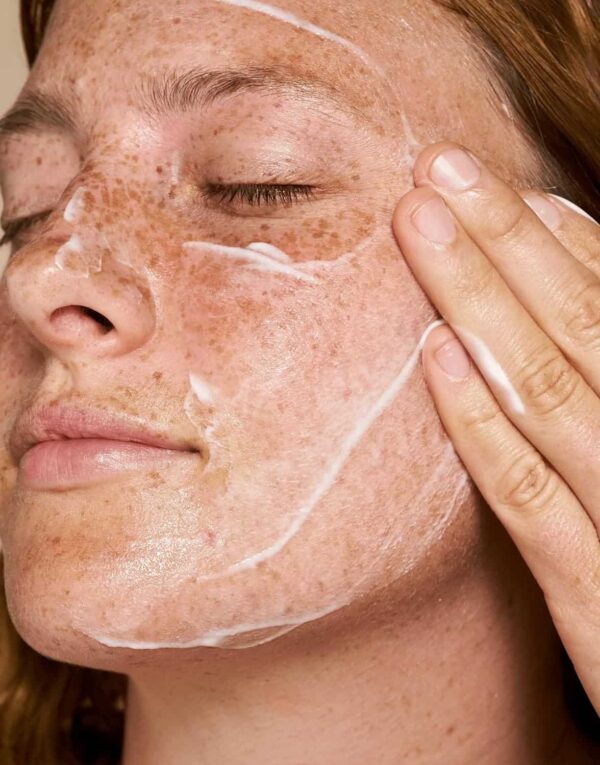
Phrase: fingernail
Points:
(454, 169)
(573, 206)
(434, 221)
(545, 209)
(453, 359)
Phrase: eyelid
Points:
(253, 194)
(13, 228)
(259, 194)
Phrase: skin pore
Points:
(278, 345)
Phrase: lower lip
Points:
(80, 461)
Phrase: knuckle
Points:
(481, 415)
(578, 593)
(580, 317)
(509, 222)
(548, 383)
(475, 285)
(528, 483)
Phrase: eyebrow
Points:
(171, 91)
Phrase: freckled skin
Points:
(293, 365)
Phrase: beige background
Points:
(13, 68)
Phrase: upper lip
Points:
(61, 422)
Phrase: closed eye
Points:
(253, 194)
(259, 194)
(15, 228)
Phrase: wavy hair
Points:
(544, 54)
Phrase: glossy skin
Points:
(293, 366)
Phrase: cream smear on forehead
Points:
(289, 18)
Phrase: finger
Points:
(551, 528)
(541, 392)
(579, 234)
(561, 294)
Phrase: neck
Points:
(469, 674)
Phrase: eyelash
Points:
(254, 194)
(258, 194)
(14, 228)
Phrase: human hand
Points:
(523, 296)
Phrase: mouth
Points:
(62, 447)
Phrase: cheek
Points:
(327, 465)
(324, 445)
(20, 372)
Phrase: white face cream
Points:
(489, 364)
(259, 261)
(411, 147)
(84, 252)
(339, 455)
(230, 637)
(289, 18)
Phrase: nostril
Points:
(102, 320)
(79, 319)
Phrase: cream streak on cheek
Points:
(287, 623)
(357, 432)
(361, 426)
(259, 261)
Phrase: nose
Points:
(76, 295)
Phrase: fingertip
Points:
(444, 352)
(573, 207)
(408, 204)
(427, 157)
(437, 338)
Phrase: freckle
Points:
(159, 169)
(356, 177)
(38, 160)
(177, 21)
(450, 730)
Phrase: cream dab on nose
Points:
(75, 207)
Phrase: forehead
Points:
(357, 48)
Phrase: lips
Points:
(60, 447)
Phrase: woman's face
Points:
(269, 335)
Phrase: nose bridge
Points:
(78, 286)
(94, 210)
